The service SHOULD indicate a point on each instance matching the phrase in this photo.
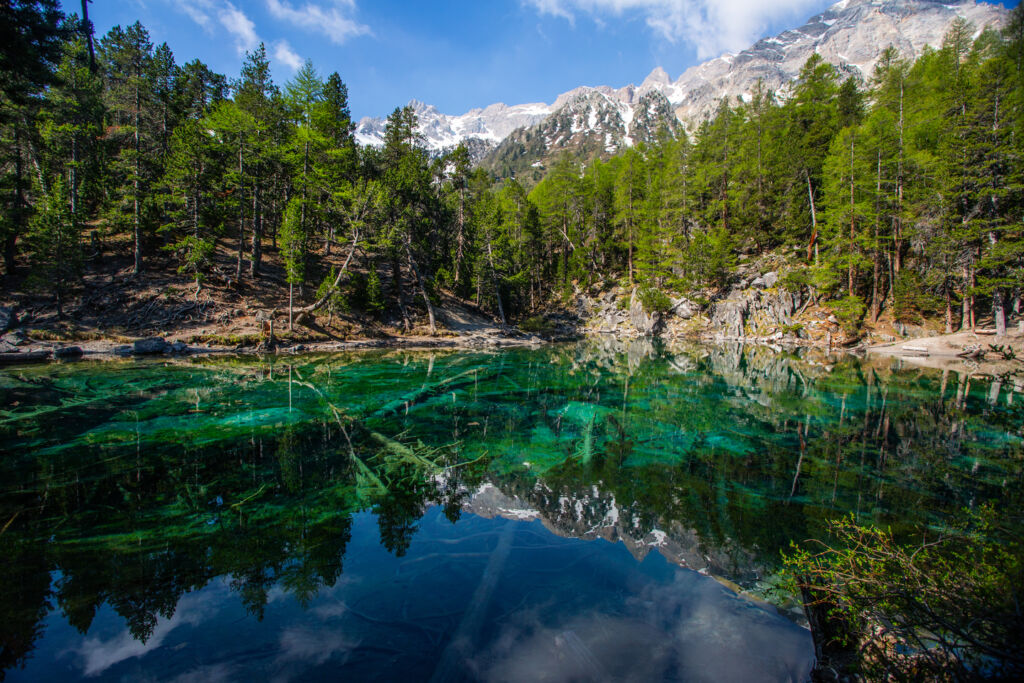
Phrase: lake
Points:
(596, 511)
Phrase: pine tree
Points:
(56, 243)
(127, 55)
(258, 98)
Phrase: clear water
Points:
(552, 514)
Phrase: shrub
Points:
(654, 300)
(849, 311)
(942, 609)
(911, 299)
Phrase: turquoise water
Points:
(561, 513)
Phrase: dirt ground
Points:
(976, 352)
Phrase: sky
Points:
(457, 54)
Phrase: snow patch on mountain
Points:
(851, 34)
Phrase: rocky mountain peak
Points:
(657, 77)
(850, 34)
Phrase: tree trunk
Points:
(965, 306)
(812, 247)
(949, 309)
(257, 232)
(396, 281)
(853, 234)
(11, 239)
(999, 312)
(494, 282)
(974, 311)
(319, 303)
(87, 29)
(241, 216)
(460, 233)
(136, 183)
(423, 288)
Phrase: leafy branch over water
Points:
(946, 608)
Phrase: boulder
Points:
(67, 352)
(647, 324)
(7, 347)
(7, 318)
(684, 309)
(770, 279)
(153, 345)
(15, 337)
(123, 350)
(179, 347)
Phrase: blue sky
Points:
(457, 54)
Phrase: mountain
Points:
(851, 35)
(589, 121)
(488, 126)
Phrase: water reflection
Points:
(148, 507)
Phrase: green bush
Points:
(654, 300)
(795, 280)
(849, 311)
(943, 610)
(911, 300)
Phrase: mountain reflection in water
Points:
(392, 514)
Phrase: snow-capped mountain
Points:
(587, 122)
(491, 124)
(851, 34)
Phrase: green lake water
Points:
(576, 512)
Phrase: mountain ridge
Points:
(851, 34)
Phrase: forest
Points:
(897, 194)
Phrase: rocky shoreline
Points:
(752, 312)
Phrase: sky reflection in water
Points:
(448, 516)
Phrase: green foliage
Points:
(337, 302)
(849, 311)
(917, 172)
(196, 255)
(654, 300)
(293, 242)
(912, 300)
(56, 240)
(710, 258)
(945, 608)
(374, 298)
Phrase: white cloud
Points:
(711, 26)
(334, 22)
(240, 26)
(198, 11)
(283, 53)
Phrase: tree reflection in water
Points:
(130, 485)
